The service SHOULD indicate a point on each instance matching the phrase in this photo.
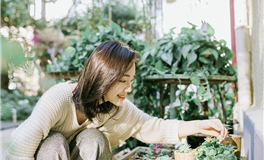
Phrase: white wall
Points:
(215, 12)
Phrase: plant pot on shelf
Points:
(183, 156)
(236, 141)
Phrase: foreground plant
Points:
(184, 148)
(155, 152)
(212, 150)
(183, 152)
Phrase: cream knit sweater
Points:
(56, 111)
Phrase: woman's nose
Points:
(128, 88)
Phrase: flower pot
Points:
(183, 156)
(236, 141)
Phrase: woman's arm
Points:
(212, 127)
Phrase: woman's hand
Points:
(212, 127)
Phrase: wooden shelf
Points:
(184, 79)
(66, 75)
(175, 79)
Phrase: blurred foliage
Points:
(11, 52)
(123, 15)
(97, 15)
(17, 13)
(16, 100)
(75, 56)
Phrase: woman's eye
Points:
(122, 81)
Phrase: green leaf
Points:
(89, 47)
(209, 30)
(210, 51)
(69, 52)
(75, 62)
(159, 66)
(195, 79)
(215, 53)
(176, 103)
(73, 41)
(144, 57)
(83, 55)
(222, 43)
(204, 60)
(177, 54)
(193, 25)
(86, 33)
(186, 49)
(153, 52)
(11, 52)
(174, 67)
(167, 57)
(116, 27)
(132, 22)
(191, 58)
(168, 47)
(220, 63)
(92, 38)
(201, 91)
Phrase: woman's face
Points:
(118, 92)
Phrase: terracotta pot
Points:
(183, 156)
(235, 140)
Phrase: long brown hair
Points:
(105, 66)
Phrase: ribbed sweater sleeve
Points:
(131, 121)
(26, 138)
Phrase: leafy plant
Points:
(15, 100)
(153, 153)
(212, 150)
(184, 148)
(195, 53)
(193, 49)
(75, 56)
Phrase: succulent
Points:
(184, 148)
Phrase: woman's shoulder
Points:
(59, 91)
(128, 106)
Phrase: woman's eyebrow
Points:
(126, 75)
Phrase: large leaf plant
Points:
(193, 52)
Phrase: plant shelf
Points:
(67, 75)
(185, 79)
(176, 79)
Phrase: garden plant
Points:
(212, 150)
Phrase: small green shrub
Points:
(212, 150)
(16, 100)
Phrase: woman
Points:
(83, 120)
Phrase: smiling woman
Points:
(84, 119)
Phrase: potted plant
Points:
(212, 149)
(235, 140)
(155, 152)
(183, 152)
